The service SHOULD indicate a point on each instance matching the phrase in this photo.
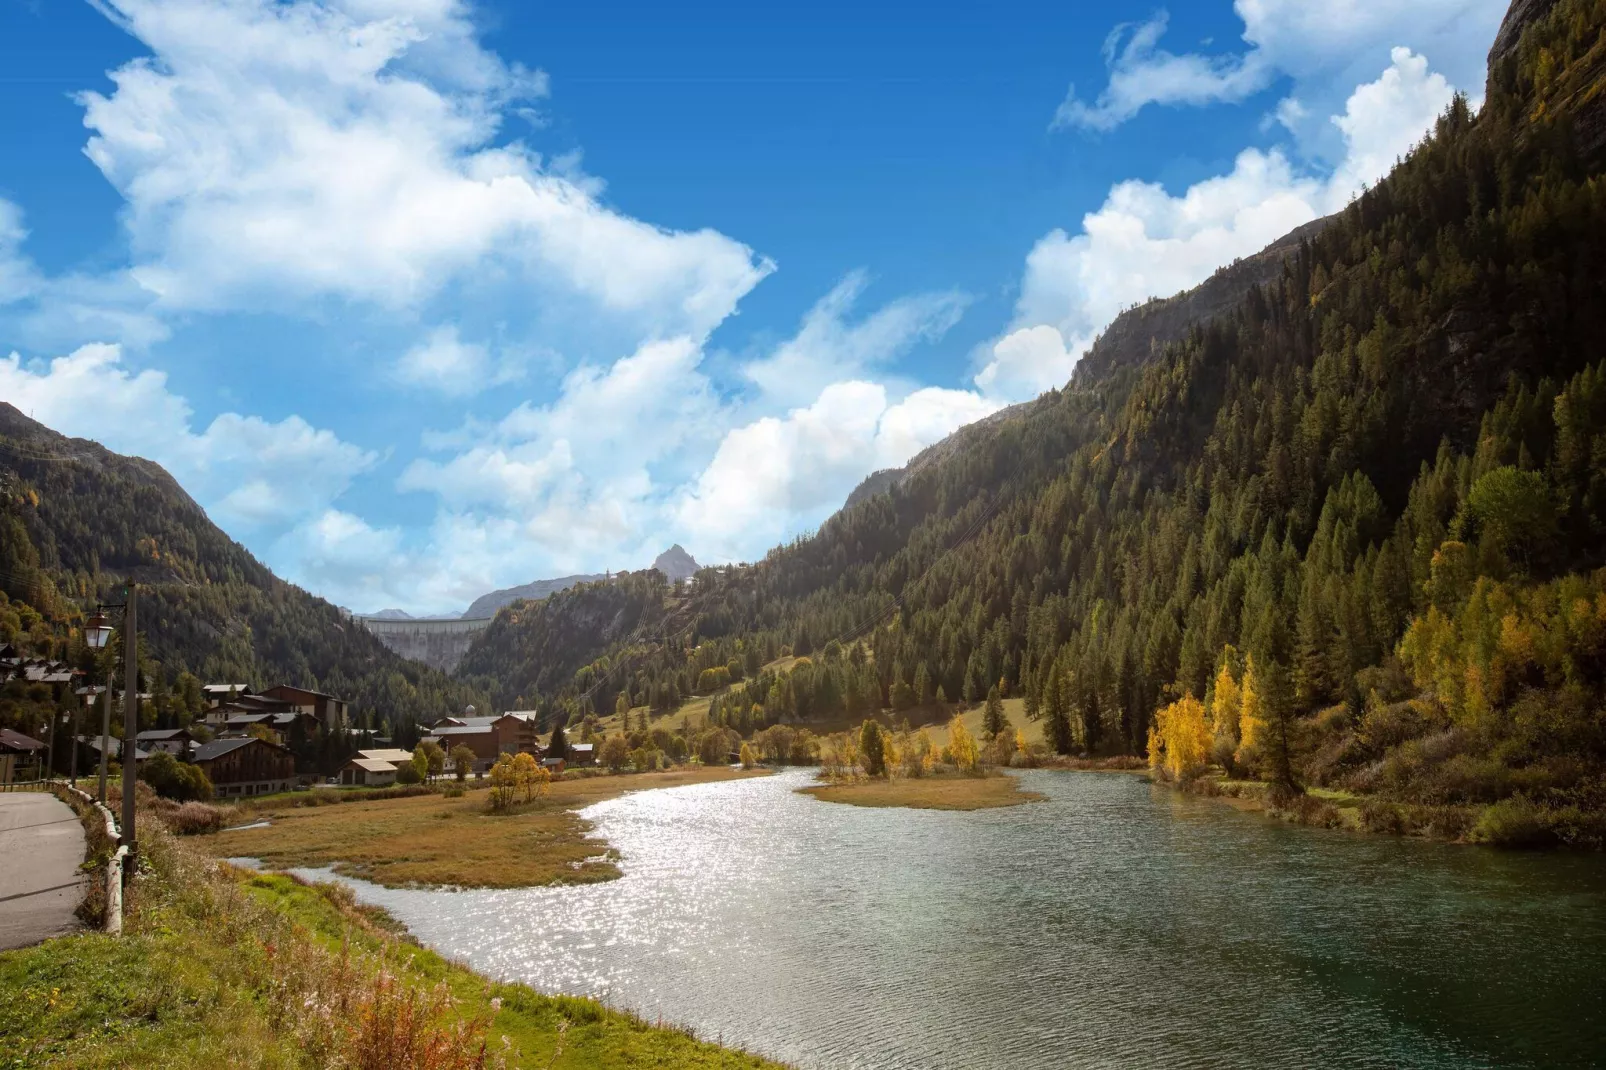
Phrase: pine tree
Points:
(871, 749)
(1057, 712)
(993, 720)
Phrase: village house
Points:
(246, 766)
(481, 738)
(17, 754)
(489, 737)
(214, 694)
(582, 754)
(330, 711)
(175, 741)
(89, 749)
(374, 768)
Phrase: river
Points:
(1115, 924)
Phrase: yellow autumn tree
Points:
(962, 745)
(504, 783)
(1226, 710)
(1251, 713)
(529, 778)
(749, 759)
(1184, 735)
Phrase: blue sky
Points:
(420, 298)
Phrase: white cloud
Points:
(776, 472)
(445, 363)
(1142, 73)
(54, 313)
(350, 150)
(1322, 47)
(1143, 242)
(828, 349)
(1028, 361)
(245, 471)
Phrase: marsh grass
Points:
(437, 841)
(938, 792)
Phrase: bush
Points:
(1516, 822)
(407, 774)
(193, 818)
(176, 780)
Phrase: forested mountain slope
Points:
(77, 520)
(1375, 484)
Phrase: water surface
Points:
(1115, 924)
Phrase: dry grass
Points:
(436, 841)
(928, 793)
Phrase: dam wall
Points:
(439, 644)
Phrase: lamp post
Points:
(97, 632)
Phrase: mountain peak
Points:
(676, 564)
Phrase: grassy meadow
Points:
(436, 840)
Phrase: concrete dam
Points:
(439, 644)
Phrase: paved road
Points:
(41, 846)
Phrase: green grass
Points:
(219, 967)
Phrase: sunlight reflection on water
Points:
(1114, 924)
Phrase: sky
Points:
(423, 298)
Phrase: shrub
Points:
(1515, 822)
(193, 818)
(176, 780)
(408, 773)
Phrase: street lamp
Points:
(97, 633)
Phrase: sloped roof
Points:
(206, 752)
(392, 755)
(373, 765)
(162, 733)
(94, 743)
(16, 741)
(463, 730)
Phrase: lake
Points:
(1115, 924)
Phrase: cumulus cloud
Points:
(773, 473)
(1144, 242)
(1320, 46)
(351, 149)
(443, 362)
(248, 473)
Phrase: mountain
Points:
(391, 614)
(676, 564)
(1358, 481)
(1128, 342)
(77, 521)
(486, 605)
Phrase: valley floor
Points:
(436, 840)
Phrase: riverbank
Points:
(1514, 822)
(937, 792)
(439, 841)
(225, 967)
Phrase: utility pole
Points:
(72, 762)
(130, 725)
